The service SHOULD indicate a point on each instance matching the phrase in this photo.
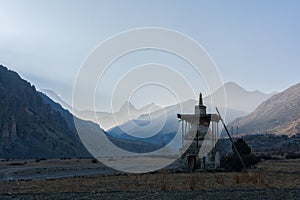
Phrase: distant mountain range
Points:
(159, 127)
(239, 102)
(237, 98)
(164, 122)
(280, 114)
(105, 119)
(34, 126)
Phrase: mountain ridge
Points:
(235, 108)
(279, 115)
(30, 127)
(105, 119)
(238, 98)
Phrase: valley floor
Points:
(274, 179)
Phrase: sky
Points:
(253, 43)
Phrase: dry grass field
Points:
(274, 179)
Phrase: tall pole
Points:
(182, 133)
(234, 147)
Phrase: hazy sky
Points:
(254, 43)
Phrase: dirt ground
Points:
(276, 179)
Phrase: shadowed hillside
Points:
(29, 126)
(279, 115)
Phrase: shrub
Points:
(292, 155)
(251, 160)
(242, 147)
(40, 159)
(233, 163)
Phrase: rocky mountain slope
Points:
(29, 126)
(279, 115)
